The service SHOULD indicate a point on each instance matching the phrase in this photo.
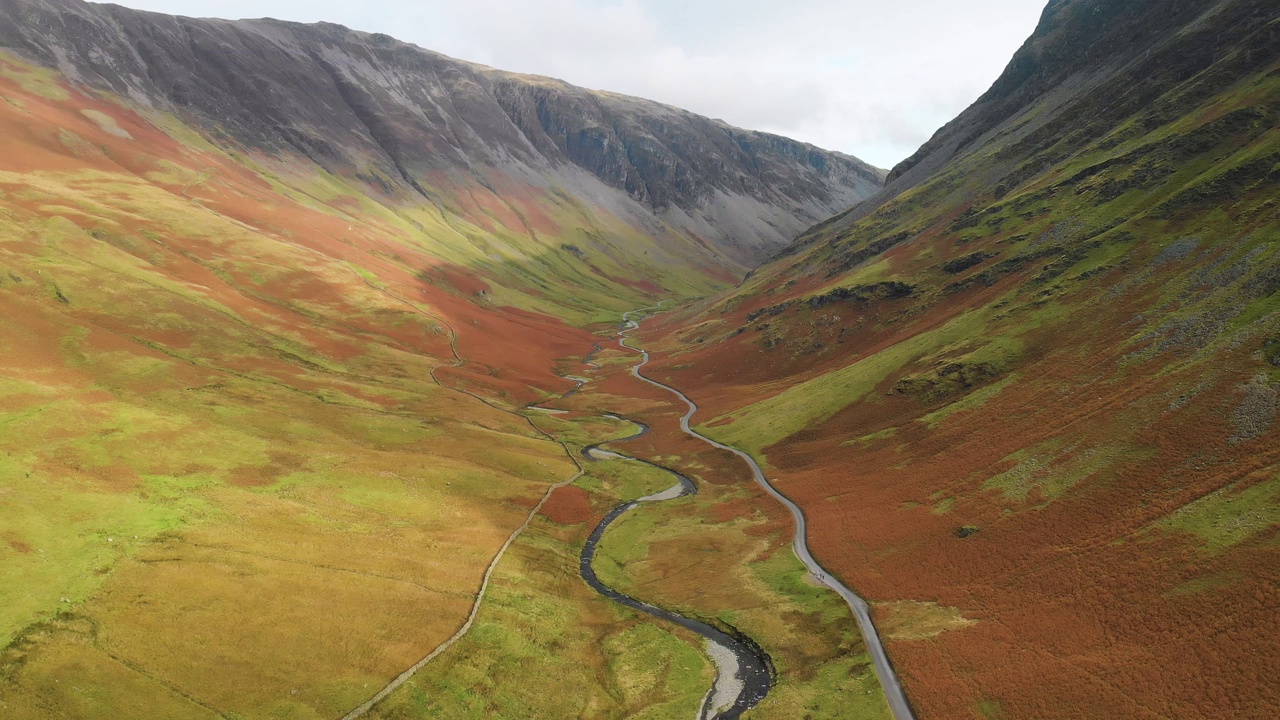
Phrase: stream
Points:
(744, 673)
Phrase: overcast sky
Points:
(870, 78)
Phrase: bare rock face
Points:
(1083, 44)
(1088, 66)
(396, 115)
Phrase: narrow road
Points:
(884, 669)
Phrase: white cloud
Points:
(873, 79)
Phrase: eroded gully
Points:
(875, 648)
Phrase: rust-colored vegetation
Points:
(1048, 410)
(568, 506)
(229, 479)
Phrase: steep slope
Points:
(226, 416)
(1027, 395)
(405, 120)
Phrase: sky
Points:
(870, 78)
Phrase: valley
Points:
(754, 617)
(341, 378)
(277, 410)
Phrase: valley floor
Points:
(721, 555)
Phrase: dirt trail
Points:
(493, 564)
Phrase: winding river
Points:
(744, 672)
(875, 648)
(743, 675)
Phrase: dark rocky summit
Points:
(1089, 66)
(405, 120)
(1110, 59)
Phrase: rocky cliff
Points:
(406, 120)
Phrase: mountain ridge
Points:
(1076, 45)
(396, 115)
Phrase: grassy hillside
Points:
(264, 432)
(232, 432)
(1032, 396)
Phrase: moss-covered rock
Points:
(950, 379)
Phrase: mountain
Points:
(1027, 394)
(412, 124)
(309, 341)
